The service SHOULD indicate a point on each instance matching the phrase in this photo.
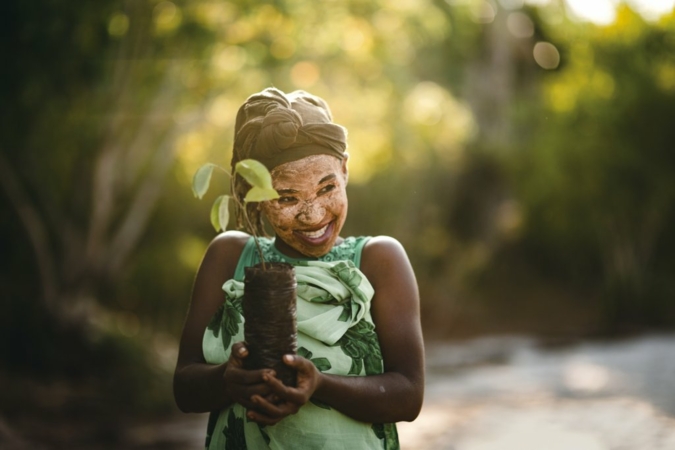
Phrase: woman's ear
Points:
(345, 170)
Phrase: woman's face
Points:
(312, 207)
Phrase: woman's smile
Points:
(315, 237)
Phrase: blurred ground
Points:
(514, 394)
(494, 393)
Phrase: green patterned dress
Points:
(335, 332)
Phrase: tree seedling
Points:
(255, 174)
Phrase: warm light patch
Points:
(585, 376)
(118, 25)
(229, 58)
(424, 104)
(213, 15)
(483, 12)
(665, 77)
(222, 111)
(602, 12)
(192, 150)
(520, 25)
(282, 48)
(653, 9)
(357, 37)
(305, 74)
(546, 55)
(167, 17)
(370, 150)
(562, 97)
(190, 251)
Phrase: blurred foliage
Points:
(529, 200)
(595, 174)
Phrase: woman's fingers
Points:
(238, 353)
(268, 413)
(283, 400)
(236, 376)
(261, 418)
(277, 387)
(299, 395)
(241, 384)
(235, 371)
(298, 363)
(241, 376)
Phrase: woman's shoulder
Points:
(229, 241)
(383, 255)
(225, 249)
(383, 245)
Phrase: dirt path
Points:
(509, 394)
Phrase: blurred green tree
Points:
(93, 106)
(595, 175)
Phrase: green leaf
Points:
(255, 173)
(257, 194)
(302, 351)
(220, 213)
(322, 364)
(202, 179)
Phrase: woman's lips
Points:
(316, 237)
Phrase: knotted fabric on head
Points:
(274, 128)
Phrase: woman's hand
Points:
(242, 385)
(286, 400)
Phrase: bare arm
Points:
(202, 387)
(396, 395)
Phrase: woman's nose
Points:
(311, 213)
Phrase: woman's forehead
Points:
(310, 170)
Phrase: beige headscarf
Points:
(273, 128)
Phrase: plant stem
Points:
(248, 221)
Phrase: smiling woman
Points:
(359, 361)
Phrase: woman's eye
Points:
(286, 200)
(327, 189)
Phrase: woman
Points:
(360, 363)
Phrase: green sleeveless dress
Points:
(335, 331)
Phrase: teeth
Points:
(315, 234)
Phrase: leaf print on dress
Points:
(211, 426)
(232, 314)
(387, 432)
(346, 312)
(347, 272)
(361, 345)
(234, 433)
(322, 364)
(214, 324)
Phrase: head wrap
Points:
(274, 128)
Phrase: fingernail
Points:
(288, 358)
(242, 350)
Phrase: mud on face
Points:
(309, 214)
